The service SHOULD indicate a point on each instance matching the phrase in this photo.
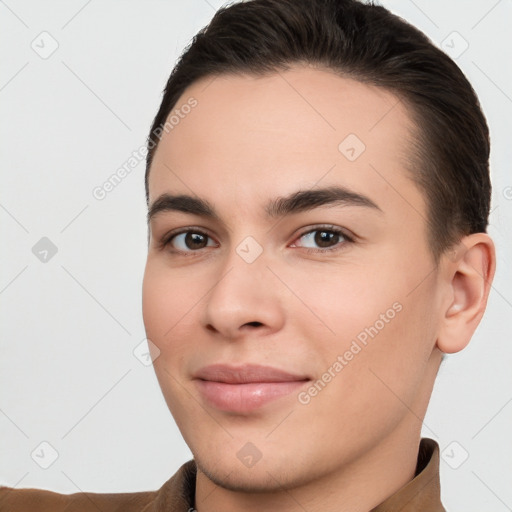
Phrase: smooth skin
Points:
(306, 297)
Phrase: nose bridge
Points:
(243, 273)
(244, 292)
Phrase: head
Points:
(337, 168)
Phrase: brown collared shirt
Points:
(421, 494)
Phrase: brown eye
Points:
(188, 241)
(324, 239)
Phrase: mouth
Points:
(245, 388)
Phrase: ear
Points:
(468, 273)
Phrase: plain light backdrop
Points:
(80, 83)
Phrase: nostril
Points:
(254, 324)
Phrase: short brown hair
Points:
(449, 155)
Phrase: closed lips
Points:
(246, 374)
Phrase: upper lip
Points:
(245, 374)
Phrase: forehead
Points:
(258, 135)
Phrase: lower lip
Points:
(245, 397)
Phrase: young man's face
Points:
(352, 316)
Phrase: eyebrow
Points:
(299, 201)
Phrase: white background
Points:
(68, 375)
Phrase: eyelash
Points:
(166, 241)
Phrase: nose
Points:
(245, 297)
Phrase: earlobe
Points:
(470, 271)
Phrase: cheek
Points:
(171, 301)
(153, 303)
(371, 319)
(165, 318)
(390, 369)
(343, 303)
(162, 305)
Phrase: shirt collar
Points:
(421, 493)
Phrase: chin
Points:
(266, 476)
(247, 480)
